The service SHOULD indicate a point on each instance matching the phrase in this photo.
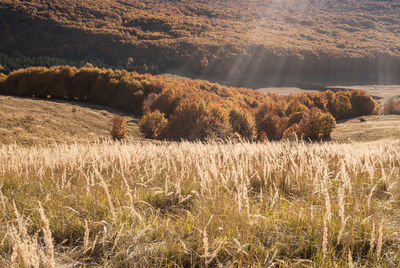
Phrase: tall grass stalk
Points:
(195, 204)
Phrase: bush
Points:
(115, 88)
(341, 106)
(292, 133)
(243, 123)
(194, 119)
(305, 100)
(316, 125)
(212, 124)
(182, 122)
(363, 104)
(262, 136)
(264, 121)
(166, 102)
(280, 108)
(273, 126)
(392, 106)
(320, 100)
(327, 125)
(118, 128)
(295, 118)
(153, 124)
(330, 97)
(210, 127)
(295, 107)
(310, 125)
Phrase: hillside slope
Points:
(177, 109)
(42, 122)
(234, 41)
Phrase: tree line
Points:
(176, 109)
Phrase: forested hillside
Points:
(177, 109)
(232, 40)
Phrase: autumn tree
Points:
(153, 124)
(363, 104)
(242, 122)
(118, 128)
(341, 106)
(310, 124)
(327, 125)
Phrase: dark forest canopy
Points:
(231, 40)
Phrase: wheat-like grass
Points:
(180, 204)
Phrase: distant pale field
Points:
(380, 92)
(200, 205)
(368, 128)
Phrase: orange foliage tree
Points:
(118, 128)
(153, 124)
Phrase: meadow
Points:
(209, 175)
(192, 204)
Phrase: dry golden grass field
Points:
(141, 204)
(275, 204)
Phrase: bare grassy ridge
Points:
(28, 121)
(199, 205)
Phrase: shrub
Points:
(212, 124)
(210, 127)
(392, 106)
(242, 122)
(268, 107)
(195, 109)
(309, 125)
(194, 119)
(273, 126)
(320, 100)
(295, 106)
(280, 108)
(166, 102)
(341, 106)
(327, 125)
(295, 118)
(305, 100)
(316, 125)
(363, 104)
(118, 128)
(116, 88)
(2, 77)
(153, 124)
(330, 97)
(292, 133)
(262, 137)
(182, 122)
